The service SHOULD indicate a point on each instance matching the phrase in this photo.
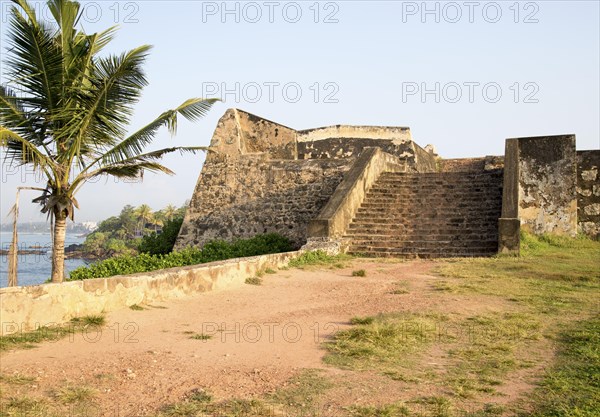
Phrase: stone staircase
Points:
(428, 215)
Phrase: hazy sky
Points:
(463, 76)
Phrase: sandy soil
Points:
(144, 359)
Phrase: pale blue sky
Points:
(366, 63)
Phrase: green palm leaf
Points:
(65, 106)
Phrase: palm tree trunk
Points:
(58, 247)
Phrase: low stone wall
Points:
(24, 308)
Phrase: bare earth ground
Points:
(142, 360)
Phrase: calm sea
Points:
(34, 269)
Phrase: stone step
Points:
(420, 252)
(429, 215)
(420, 188)
(433, 244)
(441, 181)
(455, 175)
(480, 235)
(403, 207)
(404, 220)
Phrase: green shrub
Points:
(254, 281)
(212, 251)
(359, 273)
(318, 257)
(163, 242)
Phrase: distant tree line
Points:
(135, 230)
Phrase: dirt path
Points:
(144, 359)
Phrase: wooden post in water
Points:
(13, 252)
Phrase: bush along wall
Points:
(213, 251)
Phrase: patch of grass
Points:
(182, 409)
(571, 387)
(401, 288)
(552, 289)
(74, 394)
(303, 391)
(26, 407)
(202, 406)
(28, 340)
(91, 320)
(362, 320)
(270, 271)
(480, 350)
(136, 307)
(384, 342)
(359, 273)
(553, 275)
(318, 257)
(487, 348)
(201, 336)
(199, 396)
(254, 281)
(16, 379)
(435, 406)
(240, 408)
(388, 410)
(443, 286)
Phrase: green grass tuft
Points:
(254, 281)
(74, 394)
(571, 388)
(359, 273)
(201, 336)
(383, 342)
(320, 258)
(28, 340)
(388, 410)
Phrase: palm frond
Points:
(34, 64)
(14, 116)
(20, 151)
(144, 161)
(136, 143)
(131, 170)
(103, 38)
(105, 108)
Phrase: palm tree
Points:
(65, 110)
(144, 215)
(170, 212)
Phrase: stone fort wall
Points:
(588, 192)
(262, 177)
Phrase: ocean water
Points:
(34, 269)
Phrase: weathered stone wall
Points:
(588, 193)
(261, 177)
(243, 197)
(487, 163)
(347, 141)
(25, 308)
(547, 182)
